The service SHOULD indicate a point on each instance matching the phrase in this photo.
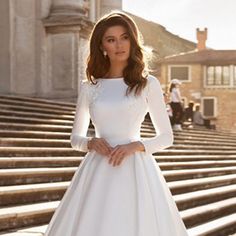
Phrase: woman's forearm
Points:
(138, 146)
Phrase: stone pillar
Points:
(17, 47)
(65, 26)
(5, 57)
(68, 7)
(92, 10)
(44, 45)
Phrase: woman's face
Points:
(116, 43)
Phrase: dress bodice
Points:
(117, 117)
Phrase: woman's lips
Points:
(120, 52)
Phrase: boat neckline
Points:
(117, 78)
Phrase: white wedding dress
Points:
(132, 199)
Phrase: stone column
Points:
(92, 10)
(5, 42)
(67, 22)
(68, 7)
(22, 47)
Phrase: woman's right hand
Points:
(100, 145)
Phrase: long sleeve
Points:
(78, 138)
(157, 109)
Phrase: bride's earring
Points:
(105, 54)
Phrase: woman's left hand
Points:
(120, 152)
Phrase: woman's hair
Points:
(136, 71)
(171, 87)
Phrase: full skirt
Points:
(132, 199)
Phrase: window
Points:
(210, 75)
(218, 76)
(179, 72)
(208, 106)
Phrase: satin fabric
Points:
(132, 199)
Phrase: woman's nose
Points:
(118, 43)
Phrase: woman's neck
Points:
(116, 70)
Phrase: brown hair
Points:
(171, 86)
(136, 71)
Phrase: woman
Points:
(176, 104)
(118, 189)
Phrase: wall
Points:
(226, 113)
(5, 64)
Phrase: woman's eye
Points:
(110, 40)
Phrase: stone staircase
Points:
(37, 164)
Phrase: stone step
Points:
(176, 152)
(37, 162)
(37, 100)
(26, 231)
(17, 119)
(38, 142)
(173, 175)
(37, 115)
(66, 135)
(11, 122)
(32, 101)
(202, 130)
(35, 127)
(209, 142)
(181, 134)
(15, 135)
(206, 196)
(26, 215)
(22, 134)
(209, 138)
(18, 216)
(191, 185)
(35, 175)
(32, 193)
(34, 142)
(190, 158)
(195, 165)
(201, 214)
(62, 151)
(34, 134)
(222, 226)
(14, 162)
(38, 151)
(54, 174)
(59, 106)
(32, 109)
(203, 147)
(29, 193)
(50, 127)
(207, 131)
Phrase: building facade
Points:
(44, 44)
(209, 78)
